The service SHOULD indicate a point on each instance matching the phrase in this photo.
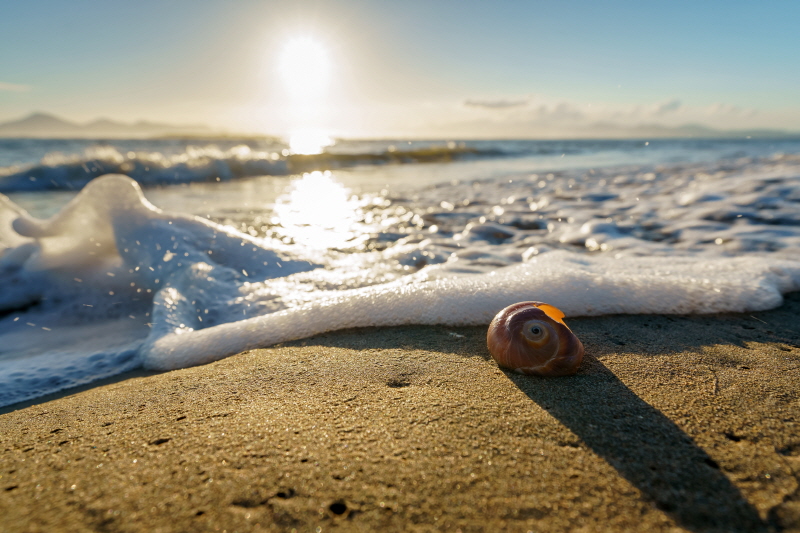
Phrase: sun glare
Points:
(308, 141)
(304, 68)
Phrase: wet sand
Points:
(673, 423)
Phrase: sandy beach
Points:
(673, 423)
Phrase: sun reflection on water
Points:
(319, 212)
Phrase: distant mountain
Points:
(47, 125)
(39, 122)
(687, 130)
(555, 129)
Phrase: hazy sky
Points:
(420, 68)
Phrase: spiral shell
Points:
(531, 338)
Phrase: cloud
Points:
(530, 107)
(728, 110)
(14, 87)
(502, 103)
(545, 116)
(561, 111)
(667, 107)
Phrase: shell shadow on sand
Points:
(645, 447)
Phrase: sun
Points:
(304, 67)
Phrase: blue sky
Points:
(408, 68)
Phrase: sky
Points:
(405, 69)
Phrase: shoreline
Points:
(65, 393)
(688, 422)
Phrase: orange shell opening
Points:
(553, 312)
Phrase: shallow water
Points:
(382, 233)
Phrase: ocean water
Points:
(162, 254)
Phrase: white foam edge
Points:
(579, 285)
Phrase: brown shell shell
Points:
(531, 338)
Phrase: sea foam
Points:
(113, 283)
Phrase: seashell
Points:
(531, 338)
